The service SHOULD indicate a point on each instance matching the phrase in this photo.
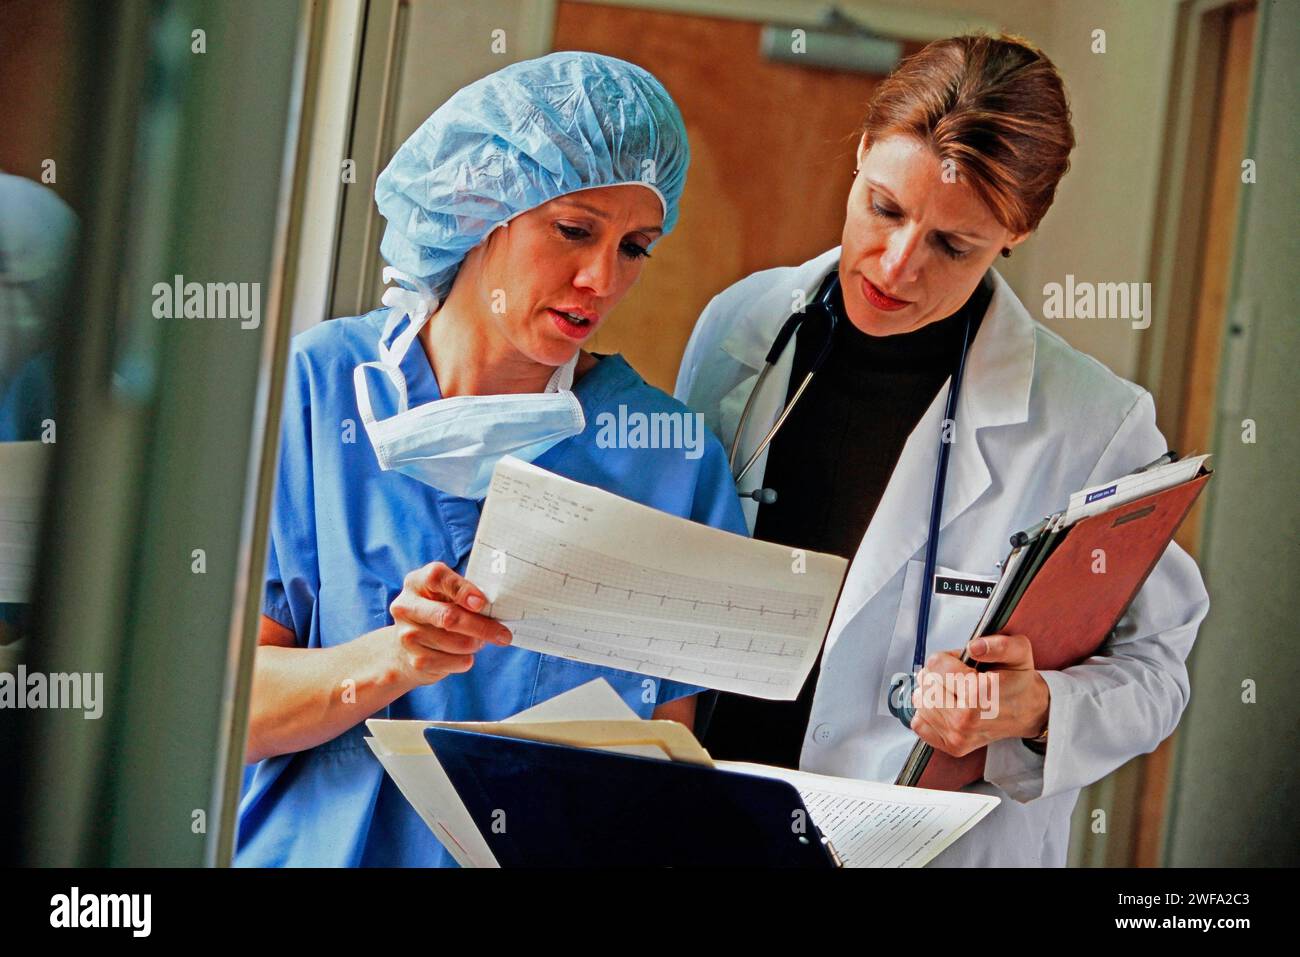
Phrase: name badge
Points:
(965, 587)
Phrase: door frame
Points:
(1164, 359)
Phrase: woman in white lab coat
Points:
(958, 161)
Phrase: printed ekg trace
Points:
(548, 568)
(23, 467)
(18, 536)
(725, 630)
(580, 573)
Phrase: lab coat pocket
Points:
(556, 675)
(958, 599)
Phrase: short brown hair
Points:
(995, 107)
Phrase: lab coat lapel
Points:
(995, 391)
(753, 331)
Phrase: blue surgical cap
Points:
(519, 138)
(38, 234)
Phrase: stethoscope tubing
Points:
(900, 698)
(776, 426)
(936, 505)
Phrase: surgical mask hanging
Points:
(453, 444)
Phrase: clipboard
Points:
(540, 804)
(1065, 608)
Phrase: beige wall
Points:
(427, 80)
(1101, 225)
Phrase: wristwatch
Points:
(1039, 744)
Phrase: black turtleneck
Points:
(829, 466)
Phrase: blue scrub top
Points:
(344, 534)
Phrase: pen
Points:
(1165, 459)
(1021, 539)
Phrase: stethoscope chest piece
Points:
(900, 698)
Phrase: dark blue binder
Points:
(550, 805)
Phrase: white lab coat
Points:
(1036, 420)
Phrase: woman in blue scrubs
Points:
(518, 215)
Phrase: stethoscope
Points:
(823, 307)
(900, 692)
